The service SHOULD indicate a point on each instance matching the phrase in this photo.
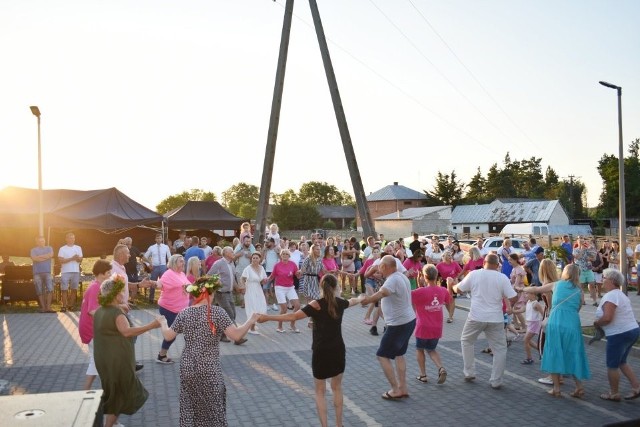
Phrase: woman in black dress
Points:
(328, 350)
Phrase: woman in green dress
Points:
(123, 393)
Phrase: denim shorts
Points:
(428, 344)
(43, 283)
(395, 340)
(619, 346)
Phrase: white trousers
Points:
(494, 332)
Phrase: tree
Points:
(294, 215)
(477, 190)
(448, 190)
(241, 199)
(178, 200)
(608, 170)
(321, 193)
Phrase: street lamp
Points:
(622, 214)
(36, 112)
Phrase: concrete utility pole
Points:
(274, 121)
(352, 164)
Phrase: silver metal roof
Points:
(497, 211)
(436, 212)
(395, 192)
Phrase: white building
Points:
(428, 220)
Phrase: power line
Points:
(393, 85)
(473, 76)
(439, 71)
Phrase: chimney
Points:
(395, 182)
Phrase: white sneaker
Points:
(254, 332)
(274, 307)
(118, 424)
(545, 380)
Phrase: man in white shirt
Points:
(395, 297)
(204, 245)
(70, 257)
(158, 254)
(488, 287)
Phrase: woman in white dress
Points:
(253, 277)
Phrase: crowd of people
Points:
(411, 287)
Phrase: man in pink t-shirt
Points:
(101, 271)
(428, 303)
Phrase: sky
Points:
(158, 97)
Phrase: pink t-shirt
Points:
(89, 303)
(449, 270)
(330, 264)
(174, 297)
(409, 263)
(428, 303)
(283, 273)
(366, 265)
(474, 264)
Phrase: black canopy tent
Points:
(99, 218)
(203, 217)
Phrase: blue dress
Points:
(564, 347)
(506, 265)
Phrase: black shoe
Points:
(373, 331)
(240, 341)
(139, 367)
(225, 339)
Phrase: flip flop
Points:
(635, 395)
(442, 375)
(422, 378)
(387, 396)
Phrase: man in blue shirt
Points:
(41, 256)
(568, 248)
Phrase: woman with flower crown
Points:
(328, 357)
(203, 394)
(114, 356)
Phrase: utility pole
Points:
(352, 164)
(274, 121)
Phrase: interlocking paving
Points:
(269, 379)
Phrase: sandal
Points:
(422, 379)
(450, 320)
(442, 375)
(554, 393)
(577, 393)
(527, 362)
(611, 397)
(388, 396)
(635, 395)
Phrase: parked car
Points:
(493, 244)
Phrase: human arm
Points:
(609, 311)
(128, 331)
(383, 292)
(540, 289)
(43, 257)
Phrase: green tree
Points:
(448, 190)
(608, 170)
(295, 215)
(242, 199)
(477, 190)
(178, 200)
(321, 193)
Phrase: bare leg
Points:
(527, 344)
(321, 404)
(387, 368)
(451, 307)
(593, 292)
(48, 299)
(627, 372)
(88, 381)
(283, 310)
(110, 420)
(435, 357)
(613, 374)
(64, 298)
(556, 382)
(336, 388)
(421, 362)
(401, 369)
(42, 300)
(296, 307)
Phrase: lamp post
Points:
(622, 213)
(36, 112)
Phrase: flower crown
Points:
(208, 284)
(118, 286)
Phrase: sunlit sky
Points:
(157, 97)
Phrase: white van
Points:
(526, 229)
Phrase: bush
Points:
(329, 225)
